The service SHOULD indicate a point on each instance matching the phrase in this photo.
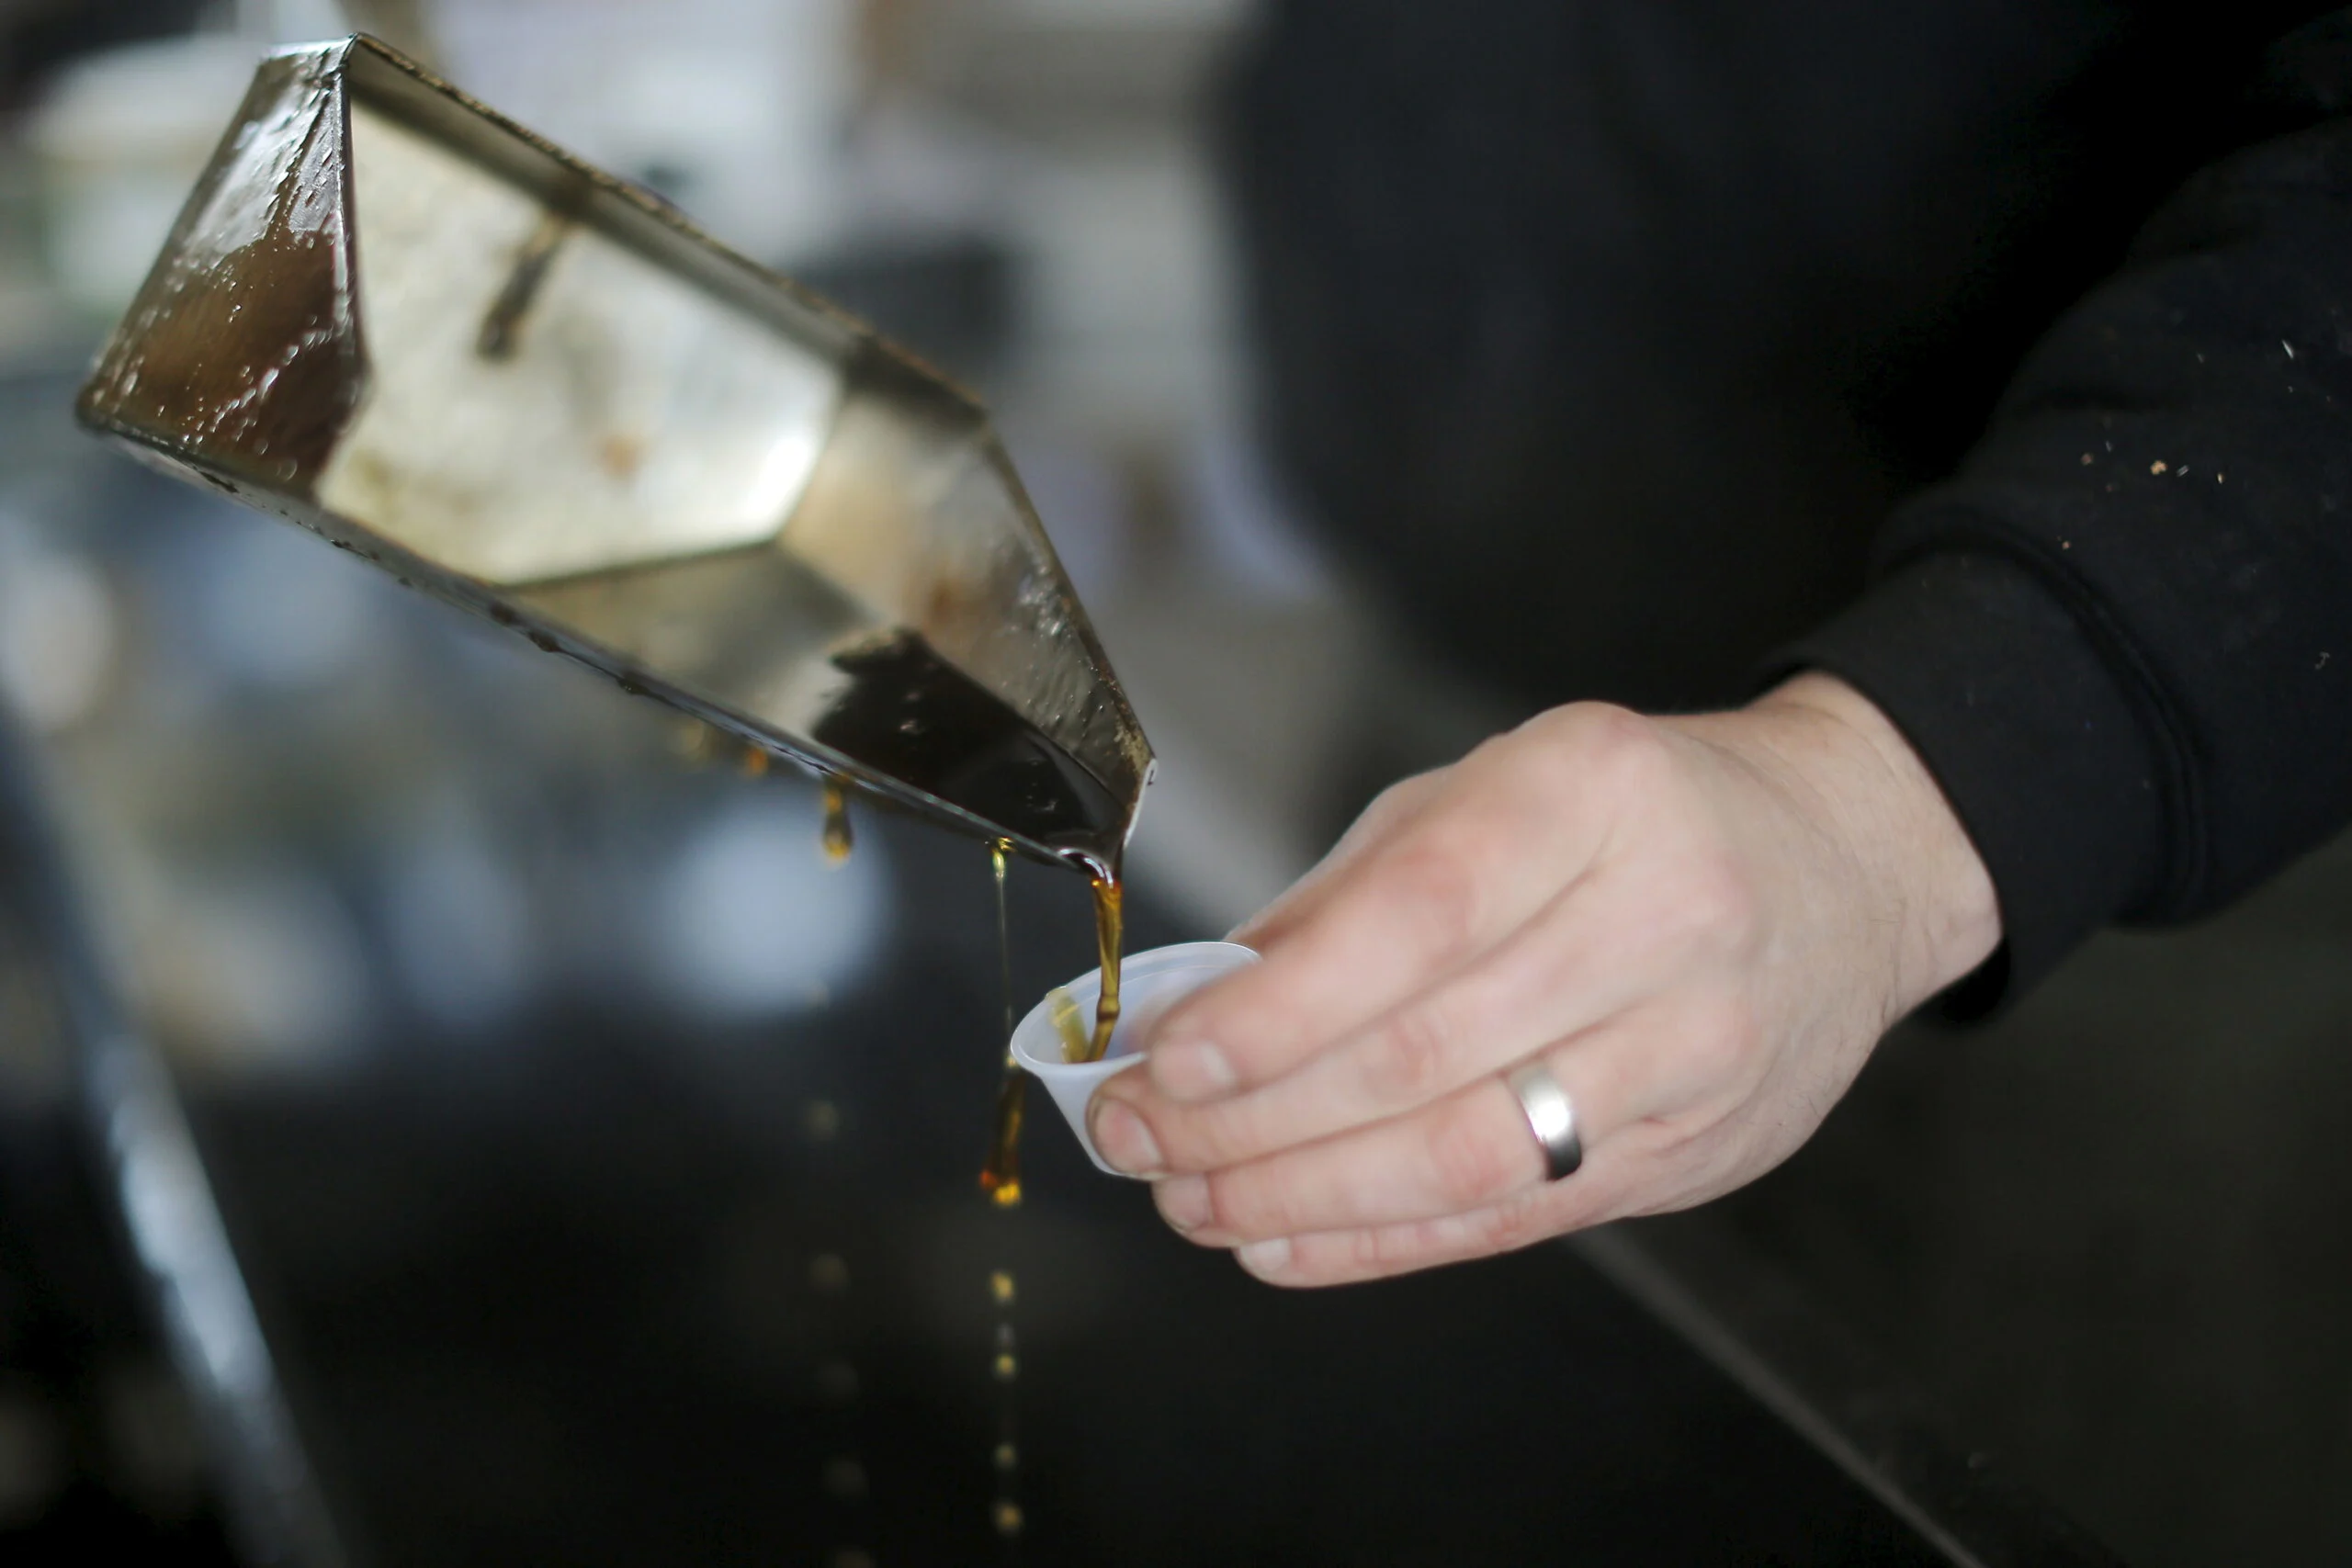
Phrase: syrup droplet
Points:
(837, 838)
(1000, 1177)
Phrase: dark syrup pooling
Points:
(909, 715)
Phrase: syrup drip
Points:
(1000, 1177)
(1001, 1181)
(1109, 931)
(837, 838)
(843, 1475)
(1004, 1458)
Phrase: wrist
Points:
(1883, 803)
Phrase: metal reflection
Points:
(411, 326)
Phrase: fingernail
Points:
(1183, 1201)
(1264, 1259)
(1123, 1138)
(1190, 1068)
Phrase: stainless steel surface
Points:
(409, 325)
(1550, 1117)
(1757, 1325)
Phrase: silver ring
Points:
(1549, 1116)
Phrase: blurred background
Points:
(561, 1099)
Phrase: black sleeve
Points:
(2122, 637)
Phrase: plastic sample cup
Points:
(1149, 984)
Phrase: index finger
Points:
(1468, 871)
(1395, 808)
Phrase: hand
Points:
(1700, 925)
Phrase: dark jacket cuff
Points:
(2033, 736)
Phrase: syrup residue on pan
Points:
(259, 258)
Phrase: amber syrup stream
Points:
(1110, 927)
(1001, 1182)
(1004, 1456)
(1000, 1177)
(842, 1474)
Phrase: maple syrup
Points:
(1004, 1456)
(837, 839)
(909, 715)
(1000, 1176)
(1109, 931)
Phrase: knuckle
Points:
(1471, 1166)
(1515, 1222)
(1718, 1043)
(1611, 759)
(1211, 1137)
(1401, 799)
(1717, 901)
(1631, 747)
(1567, 749)
(1411, 1057)
(1398, 1249)
(1583, 726)
(1437, 887)
(1550, 773)
(1680, 1139)
(1236, 1208)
